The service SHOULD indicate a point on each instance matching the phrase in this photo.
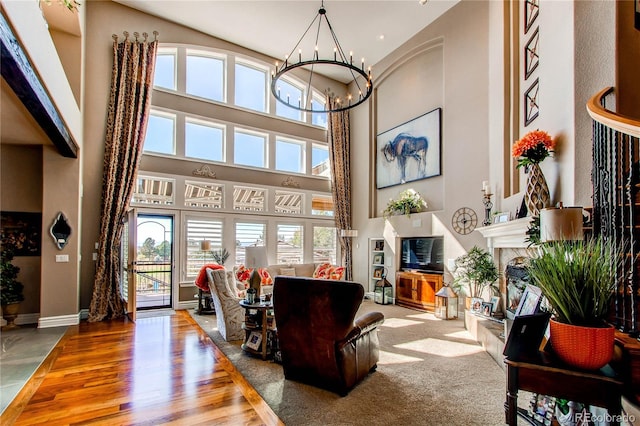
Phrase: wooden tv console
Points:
(417, 290)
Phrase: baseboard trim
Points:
(59, 321)
(23, 319)
(84, 314)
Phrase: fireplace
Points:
(516, 279)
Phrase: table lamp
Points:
(561, 224)
(255, 257)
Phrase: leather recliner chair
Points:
(320, 342)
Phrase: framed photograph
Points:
(531, 108)
(495, 304)
(502, 217)
(530, 301)
(531, 9)
(254, 340)
(487, 308)
(377, 273)
(22, 231)
(476, 305)
(410, 151)
(542, 408)
(531, 55)
(525, 337)
(379, 245)
(378, 259)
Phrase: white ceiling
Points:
(274, 27)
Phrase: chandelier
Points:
(339, 63)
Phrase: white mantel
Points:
(510, 234)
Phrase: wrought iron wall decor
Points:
(531, 106)
(531, 9)
(531, 55)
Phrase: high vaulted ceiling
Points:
(371, 29)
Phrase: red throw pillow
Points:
(201, 280)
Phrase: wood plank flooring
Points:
(162, 370)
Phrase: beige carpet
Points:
(431, 372)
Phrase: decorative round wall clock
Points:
(464, 220)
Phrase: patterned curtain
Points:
(129, 103)
(339, 155)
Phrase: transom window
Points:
(289, 202)
(161, 133)
(250, 87)
(154, 190)
(250, 199)
(203, 140)
(203, 195)
(290, 156)
(250, 149)
(322, 205)
(205, 75)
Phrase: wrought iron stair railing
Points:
(616, 200)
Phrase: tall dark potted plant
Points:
(10, 288)
(578, 279)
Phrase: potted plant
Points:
(10, 289)
(578, 280)
(220, 256)
(409, 201)
(475, 272)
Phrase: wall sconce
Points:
(60, 231)
(446, 303)
(349, 233)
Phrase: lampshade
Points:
(349, 233)
(561, 224)
(205, 245)
(256, 257)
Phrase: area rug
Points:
(431, 372)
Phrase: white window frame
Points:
(173, 51)
(263, 135)
(206, 123)
(212, 55)
(173, 116)
(263, 68)
(302, 161)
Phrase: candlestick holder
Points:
(488, 205)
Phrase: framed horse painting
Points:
(409, 151)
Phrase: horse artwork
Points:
(410, 151)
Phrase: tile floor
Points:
(23, 349)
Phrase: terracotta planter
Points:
(10, 313)
(589, 348)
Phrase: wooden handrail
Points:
(611, 119)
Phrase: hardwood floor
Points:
(162, 370)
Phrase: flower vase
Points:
(536, 195)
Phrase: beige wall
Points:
(445, 65)
(21, 191)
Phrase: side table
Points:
(258, 321)
(549, 378)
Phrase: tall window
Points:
(290, 156)
(248, 234)
(294, 95)
(203, 140)
(318, 104)
(161, 134)
(320, 165)
(198, 230)
(251, 87)
(205, 76)
(165, 70)
(250, 149)
(290, 244)
(324, 244)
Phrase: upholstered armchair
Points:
(320, 341)
(229, 313)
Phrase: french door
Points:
(147, 259)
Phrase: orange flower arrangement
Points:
(533, 148)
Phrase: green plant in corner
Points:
(409, 201)
(475, 272)
(10, 287)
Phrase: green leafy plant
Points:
(475, 272)
(69, 4)
(409, 201)
(220, 256)
(533, 232)
(10, 288)
(577, 278)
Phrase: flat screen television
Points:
(423, 254)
